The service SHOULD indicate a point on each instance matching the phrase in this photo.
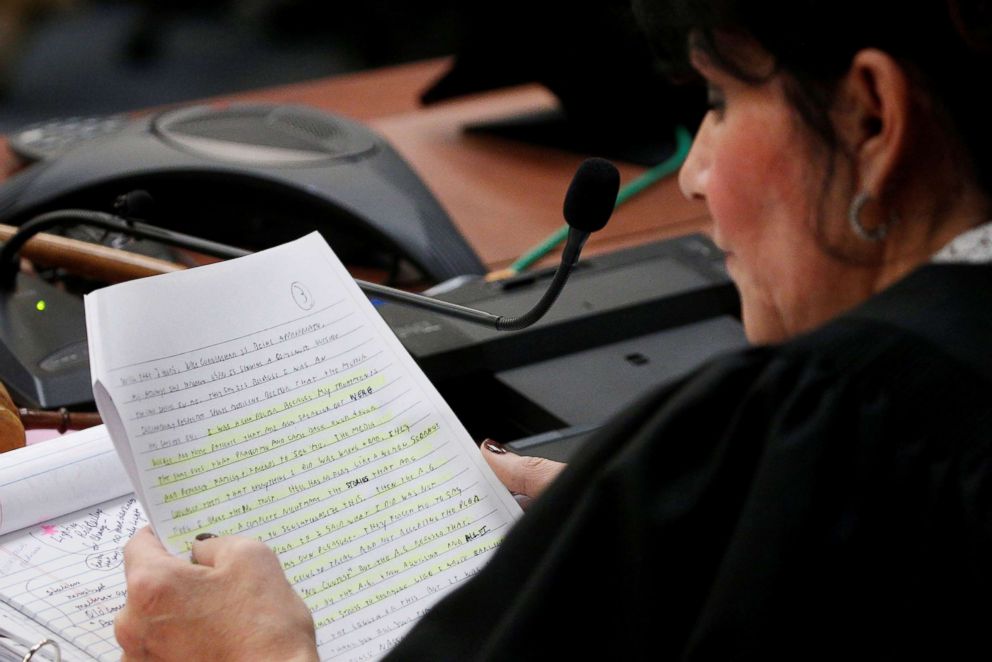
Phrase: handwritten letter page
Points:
(264, 396)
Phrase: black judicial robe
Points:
(826, 498)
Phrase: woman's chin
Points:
(761, 325)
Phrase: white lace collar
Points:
(973, 246)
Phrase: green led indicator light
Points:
(40, 305)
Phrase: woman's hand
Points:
(525, 476)
(233, 603)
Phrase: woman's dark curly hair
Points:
(945, 46)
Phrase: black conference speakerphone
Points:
(50, 139)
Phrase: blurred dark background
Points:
(63, 58)
(79, 57)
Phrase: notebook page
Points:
(264, 396)
(60, 564)
(43, 481)
(67, 575)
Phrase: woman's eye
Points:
(715, 99)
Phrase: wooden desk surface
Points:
(504, 196)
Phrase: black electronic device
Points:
(254, 176)
(50, 139)
(627, 321)
(610, 297)
(44, 356)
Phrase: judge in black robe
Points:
(826, 498)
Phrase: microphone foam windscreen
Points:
(592, 195)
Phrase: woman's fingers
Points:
(522, 474)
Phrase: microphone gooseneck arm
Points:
(428, 303)
(570, 257)
(588, 205)
(71, 217)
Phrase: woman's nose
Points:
(692, 175)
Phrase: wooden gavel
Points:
(15, 421)
(101, 263)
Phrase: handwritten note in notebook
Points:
(264, 396)
(66, 512)
(67, 575)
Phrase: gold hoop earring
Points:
(874, 235)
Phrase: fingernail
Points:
(494, 447)
(205, 536)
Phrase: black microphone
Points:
(589, 203)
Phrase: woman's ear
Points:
(876, 118)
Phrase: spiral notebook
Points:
(66, 511)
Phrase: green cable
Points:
(683, 141)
